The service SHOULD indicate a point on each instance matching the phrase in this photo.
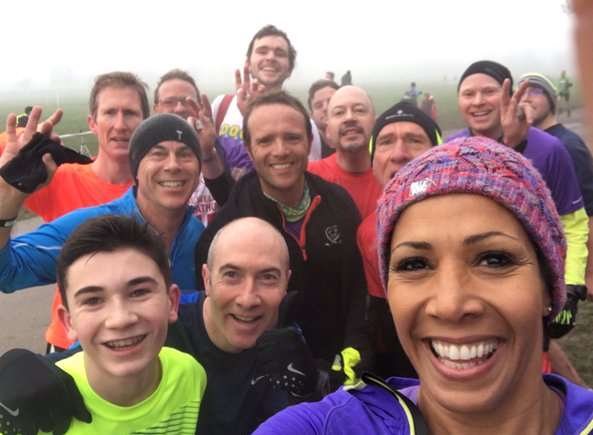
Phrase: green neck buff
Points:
(295, 214)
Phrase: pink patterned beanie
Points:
(484, 167)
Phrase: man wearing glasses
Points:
(542, 97)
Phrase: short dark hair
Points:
(109, 234)
(318, 85)
(271, 30)
(175, 74)
(119, 79)
(276, 97)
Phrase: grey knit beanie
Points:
(546, 84)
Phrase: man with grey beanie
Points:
(165, 165)
(542, 97)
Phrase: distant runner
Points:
(412, 94)
(564, 85)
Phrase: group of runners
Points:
(239, 267)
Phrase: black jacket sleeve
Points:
(220, 187)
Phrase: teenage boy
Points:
(129, 382)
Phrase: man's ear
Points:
(66, 321)
(90, 120)
(173, 294)
(206, 279)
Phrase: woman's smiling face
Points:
(467, 296)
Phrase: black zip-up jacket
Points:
(326, 266)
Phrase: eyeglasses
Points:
(534, 91)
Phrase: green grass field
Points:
(383, 96)
(73, 121)
(578, 343)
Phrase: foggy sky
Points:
(63, 44)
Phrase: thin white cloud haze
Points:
(61, 45)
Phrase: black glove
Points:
(285, 362)
(343, 371)
(330, 380)
(37, 395)
(567, 317)
(26, 171)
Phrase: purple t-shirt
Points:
(551, 159)
(294, 228)
(373, 410)
(237, 159)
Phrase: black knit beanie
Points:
(493, 69)
(406, 112)
(159, 128)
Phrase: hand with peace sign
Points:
(515, 117)
(16, 142)
(12, 198)
(212, 166)
(246, 88)
(201, 120)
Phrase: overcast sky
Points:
(377, 40)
